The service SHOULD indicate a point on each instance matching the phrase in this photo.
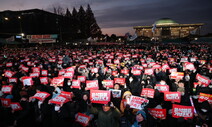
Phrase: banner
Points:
(162, 88)
(177, 75)
(44, 73)
(67, 95)
(8, 74)
(136, 102)
(165, 66)
(114, 73)
(61, 72)
(156, 66)
(60, 100)
(26, 69)
(116, 61)
(36, 69)
(94, 70)
(92, 84)
(147, 92)
(58, 81)
(136, 72)
(41, 96)
(81, 78)
(148, 71)
(33, 75)
(82, 119)
(7, 89)
(108, 83)
(157, 113)
(120, 81)
(10, 64)
(172, 70)
(172, 96)
(189, 66)
(205, 97)
(116, 93)
(100, 96)
(125, 71)
(85, 60)
(182, 111)
(27, 81)
(203, 80)
(75, 83)
(69, 74)
(70, 69)
(15, 106)
(82, 66)
(15, 80)
(5, 102)
(44, 80)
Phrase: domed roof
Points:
(165, 21)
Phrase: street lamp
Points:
(20, 24)
(5, 18)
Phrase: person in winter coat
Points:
(125, 100)
(108, 115)
(140, 120)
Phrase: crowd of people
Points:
(173, 80)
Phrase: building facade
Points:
(168, 29)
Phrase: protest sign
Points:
(41, 96)
(182, 111)
(100, 96)
(147, 92)
(82, 119)
(75, 83)
(157, 113)
(172, 96)
(92, 84)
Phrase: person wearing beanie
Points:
(140, 119)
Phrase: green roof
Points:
(165, 21)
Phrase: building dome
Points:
(165, 21)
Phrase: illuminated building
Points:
(166, 28)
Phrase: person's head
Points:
(85, 97)
(106, 107)
(162, 82)
(140, 116)
(69, 82)
(181, 84)
(116, 86)
(127, 94)
(131, 79)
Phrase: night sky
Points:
(119, 16)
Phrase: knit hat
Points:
(126, 93)
(142, 113)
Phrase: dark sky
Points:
(119, 16)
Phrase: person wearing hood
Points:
(140, 119)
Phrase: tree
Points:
(58, 10)
(68, 13)
(113, 37)
(82, 23)
(92, 29)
